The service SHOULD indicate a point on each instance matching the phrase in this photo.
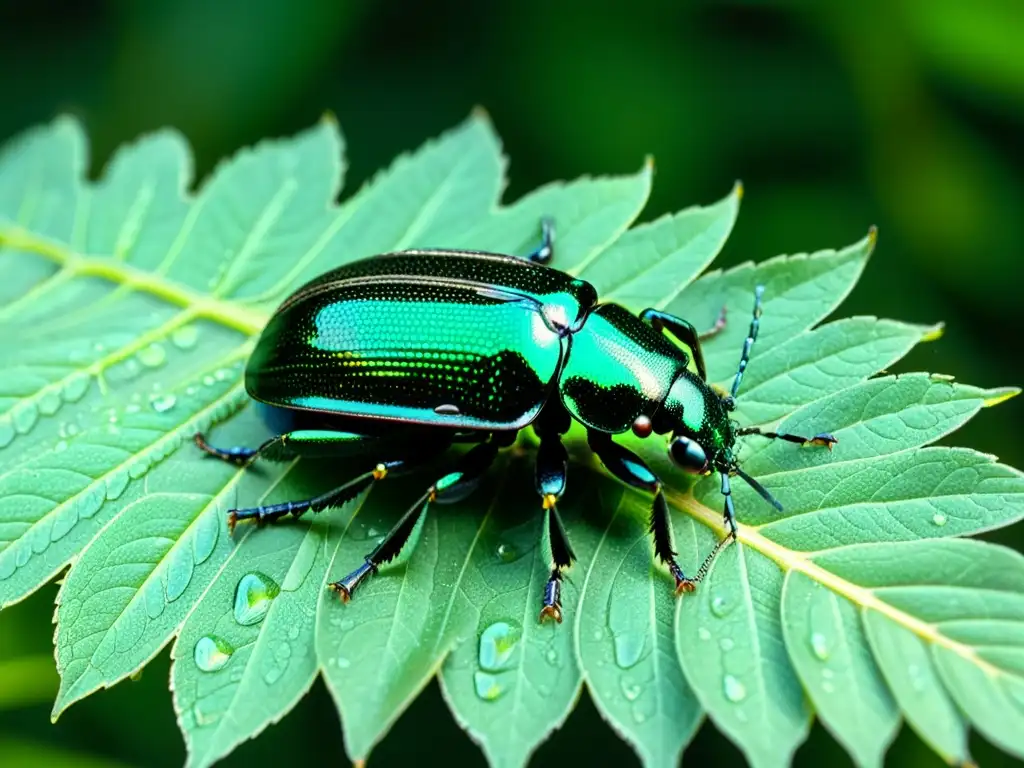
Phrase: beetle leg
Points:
(631, 469)
(450, 488)
(552, 469)
(682, 330)
(544, 252)
(333, 498)
(824, 439)
(302, 442)
(239, 454)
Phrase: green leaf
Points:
(130, 306)
(626, 638)
(830, 653)
(245, 655)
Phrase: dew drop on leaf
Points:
(185, 337)
(638, 716)
(819, 645)
(153, 356)
(735, 691)
(203, 717)
(703, 633)
(253, 595)
(939, 519)
(726, 644)
(630, 689)
(498, 644)
(488, 687)
(163, 403)
(917, 679)
(828, 687)
(552, 657)
(720, 606)
(212, 653)
(629, 648)
(342, 662)
(507, 553)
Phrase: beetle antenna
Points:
(761, 490)
(755, 325)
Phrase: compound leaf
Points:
(130, 305)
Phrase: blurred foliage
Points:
(904, 114)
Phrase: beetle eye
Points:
(688, 455)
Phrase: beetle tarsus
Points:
(232, 520)
(347, 586)
(825, 440)
(684, 584)
(239, 455)
(552, 608)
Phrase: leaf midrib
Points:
(788, 560)
(198, 305)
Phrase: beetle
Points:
(395, 358)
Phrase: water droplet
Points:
(447, 409)
(153, 356)
(62, 445)
(508, 553)
(212, 653)
(827, 673)
(498, 643)
(221, 374)
(827, 687)
(185, 337)
(918, 681)
(253, 596)
(630, 689)
(343, 663)
(293, 632)
(598, 634)
(488, 687)
(638, 716)
(734, 690)
(346, 625)
(208, 380)
(132, 408)
(551, 656)
(703, 633)
(204, 717)
(720, 606)
(629, 648)
(939, 519)
(726, 644)
(163, 403)
(272, 675)
(819, 644)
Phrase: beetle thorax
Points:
(696, 411)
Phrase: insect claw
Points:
(685, 585)
(551, 612)
(232, 520)
(343, 594)
(825, 440)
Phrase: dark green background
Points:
(835, 115)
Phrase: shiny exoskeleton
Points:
(394, 358)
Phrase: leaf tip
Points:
(649, 166)
(1000, 396)
(934, 333)
(737, 190)
(872, 238)
(328, 117)
(480, 114)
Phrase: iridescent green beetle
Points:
(393, 359)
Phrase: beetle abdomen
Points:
(414, 348)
